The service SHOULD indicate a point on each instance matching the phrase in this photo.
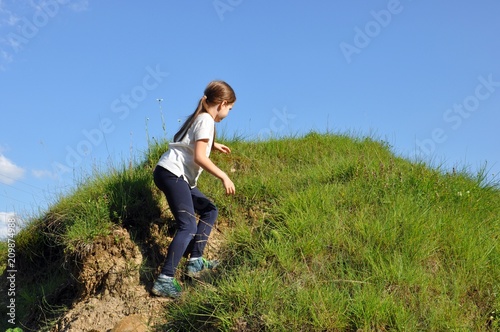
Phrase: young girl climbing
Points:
(176, 175)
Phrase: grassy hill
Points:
(325, 233)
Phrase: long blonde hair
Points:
(215, 93)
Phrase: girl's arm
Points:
(201, 159)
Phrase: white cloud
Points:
(9, 172)
(16, 13)
(7, 16)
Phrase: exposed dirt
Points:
(114, 278)
(110, 289)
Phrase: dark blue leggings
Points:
(185, 202)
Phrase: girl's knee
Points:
(215, 212)
(186, 222)
(211, 210)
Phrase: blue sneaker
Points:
(194, 267)
(166, 287)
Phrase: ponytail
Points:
(202, 107)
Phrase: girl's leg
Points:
(207, 212)
(178, 194)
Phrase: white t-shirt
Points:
(179, 158)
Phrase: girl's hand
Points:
(229, 185)
(221, 148)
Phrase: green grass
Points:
(325, 233)
(349, 238)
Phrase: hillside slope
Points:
(325, 233)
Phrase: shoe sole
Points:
(161, 294)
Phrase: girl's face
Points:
(224, 109)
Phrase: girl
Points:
(176, 175)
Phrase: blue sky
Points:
(80, 80)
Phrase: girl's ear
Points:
(224, 103)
